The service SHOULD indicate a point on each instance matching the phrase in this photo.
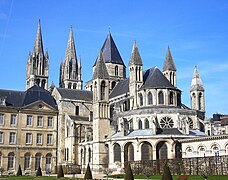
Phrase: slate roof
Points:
(135, 56)
(76, 94)
(33, 94)
(110, 51)
(36, 93)
(121, 88)
(168, 131)
(100, 69)
(153, 78)
(79, 118)
(169, 63)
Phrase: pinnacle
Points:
(169, 63)
(135, 56)
(197, 83)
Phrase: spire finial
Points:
(38, 47)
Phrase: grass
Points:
(157, 177)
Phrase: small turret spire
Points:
(135, 56)
(197, 83)
(169, 63)
(100, 69)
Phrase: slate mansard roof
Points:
(75, 94)
(152, 78)
(23, 98)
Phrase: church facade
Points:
(116, 118)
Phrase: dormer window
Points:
(3, 101)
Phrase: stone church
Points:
(114, 120)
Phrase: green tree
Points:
(88, 174)
(128, 174)
(19, 172)
(166, 173)
(60, 172)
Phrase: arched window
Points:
(48, 161)
(150, 98)
(70, 69)
(146, 151)
(113, 84)
(136, 73)
(140, 124)
(141, 99)
(74, 86)
(160, 98)
(117, 153)
(27, 161)
(147, 124)
(38, 82)
(116, 71)
(201, 151)
(128, 152)
(178, 99)
(69, 86)
(10, 160)
(102, 90)
(193, 98)
(37, 160)
(43, 82)
(171, 98)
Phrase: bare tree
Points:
(107, 172)
(147, 171)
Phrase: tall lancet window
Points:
(149, 98)
(160, 98)
(102, 90)
(70, 69)
(200, 101)
(116, 71)
(171, 98)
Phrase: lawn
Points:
(120, 177)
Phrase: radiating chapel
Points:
(115, 119)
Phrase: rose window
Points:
(166, 122)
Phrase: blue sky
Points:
(196, 31)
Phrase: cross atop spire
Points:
(169, 63)
(38, 47)
(135, 56)
(100, 69)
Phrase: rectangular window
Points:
(12, 138)
(39, 121)
(49, 139)
(1, 119)
(50, 121)
(77, 110)
(28, 139)
(29, 120)
(2, 101)
(39, 139)
(13, 120)
(1, 138)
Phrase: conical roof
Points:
(197, 83)
(38, 46)
(169, 63)
(135, 56)
(110, 52)
(100, 69)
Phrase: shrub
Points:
(39, 172)
(60, 172)
(166, 173)
(19, 172)
(128, 174)
(88, 174)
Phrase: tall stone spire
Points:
(37, 64)
(38, 46)
(100, 69)
(197, 92)
(169, 68)
(70, 69)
